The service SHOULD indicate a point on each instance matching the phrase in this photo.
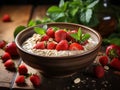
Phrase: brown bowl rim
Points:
(56, 23)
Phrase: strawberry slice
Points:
(51, 45)
(115, 63)
(2, 44)
(60, 35)
(76, 46)
(50, 32)
(40, 45)
(62, 45)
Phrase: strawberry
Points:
(9, 64)
(76, 46)
(103, 60)
(2, 44)
(45, 38)
(22, 69)
(5, 56)
(113, 51)
(6, 18)
(115, 63)
(51, 45)
(50, 32)
(69, 38)
(62, 45)
(20, 80)
(35, 79)
(60, 35)
(99, 71)
(40, 45)
(11, 49)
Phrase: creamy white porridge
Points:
(30, 43)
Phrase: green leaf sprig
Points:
(79, 36)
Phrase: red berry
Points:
(60, 35)
(11, 49)
(99, 71)
(2, 44)
(115, 63)
(22, 69)
(103, 60)
(69, 38)
(20, 80)
(51, 45)
(76, 46)
(5, 56)
(40, 45)
(50, 32)
(9, 64)
(62, 45)
(45, 38)
(35, 79)
(6, 18)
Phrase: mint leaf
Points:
(88, 15)
(18, 29)
(85, 37)
(31, 23)
(39, 30)
(61, 3)
(91, 5)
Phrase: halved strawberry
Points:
(62, 45)
(5, 56)
(45, 38)
(75, 46)
(50, 32)
(51, 45)
(60, 35)
(40, 45)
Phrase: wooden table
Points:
(20, 16)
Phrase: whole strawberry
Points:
(75, 46)
(115, 63)
(51, 45)
(103, 60)
(40, 45)
(11, 49)
(45, 38)
(5, 56)
(69, 38)
(6, 18)
(60, 35)
(20, 80)
(9, 64)
(99, 71)
(62, 45)
(50, 32)
(2, 44)
(35, 79)
(22, 69)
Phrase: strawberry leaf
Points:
(39, 30)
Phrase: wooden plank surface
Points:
(20, 16)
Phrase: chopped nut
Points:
(106, 67)
(77, 80)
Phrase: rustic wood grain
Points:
(19, 15)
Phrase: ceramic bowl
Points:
(58, 66)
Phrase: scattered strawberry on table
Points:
(6, 18)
